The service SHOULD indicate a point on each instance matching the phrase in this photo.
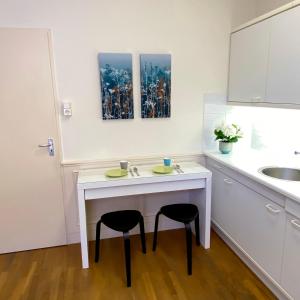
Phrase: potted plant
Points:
(227, 134)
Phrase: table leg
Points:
(206, 241)
(202, 198)
(83, 231)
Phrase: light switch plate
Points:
(67, 109)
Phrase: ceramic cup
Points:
(167, 161)
(124, 164)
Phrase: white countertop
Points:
(191, 171)
(249, 162)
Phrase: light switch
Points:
(67, 109)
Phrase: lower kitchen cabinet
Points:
(253, 221)
(223, 203)
(263, 224)
(291, 258)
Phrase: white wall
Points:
(264, 6)
(243, 11)
(278, 136)
(195, 32)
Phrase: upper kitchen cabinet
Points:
(283, 80)
(265, 62)
(248, 63)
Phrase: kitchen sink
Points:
(282, 173)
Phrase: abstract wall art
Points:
(116, 85)
(155, 75)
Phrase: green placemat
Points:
(114, 173)
(162, 170)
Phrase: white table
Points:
(92, 184)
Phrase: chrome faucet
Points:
(297, 152)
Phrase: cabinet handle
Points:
(296, 224)
(228, 181)
(273, 210)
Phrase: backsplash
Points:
(269, 129)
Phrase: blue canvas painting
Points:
(155, 71)
(116, 85)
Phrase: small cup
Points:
(167, 162)
(124, 164)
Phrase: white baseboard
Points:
(276, 289)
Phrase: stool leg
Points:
(97, 241)
(189, 247)
(197, 230)
(142, 233)
(127, 257)
(155, 231)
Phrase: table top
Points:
(90, 177)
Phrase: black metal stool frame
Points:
(188, 232)
(126, 246)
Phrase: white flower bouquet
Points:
(228, 133)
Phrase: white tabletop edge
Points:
(97, 177)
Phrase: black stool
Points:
(185, 213)
(123, 220)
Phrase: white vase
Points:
(225, 147)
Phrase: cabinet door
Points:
(261, 228)
(291, 258)
(222, 202)
(254, 222)
(248, 63)
(283, 84)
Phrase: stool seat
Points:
(182, 212)
(123, 220)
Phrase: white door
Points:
(31, 205)
(283, 85)
(248, 63)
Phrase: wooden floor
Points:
(55, 273)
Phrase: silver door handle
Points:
(50, 146)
